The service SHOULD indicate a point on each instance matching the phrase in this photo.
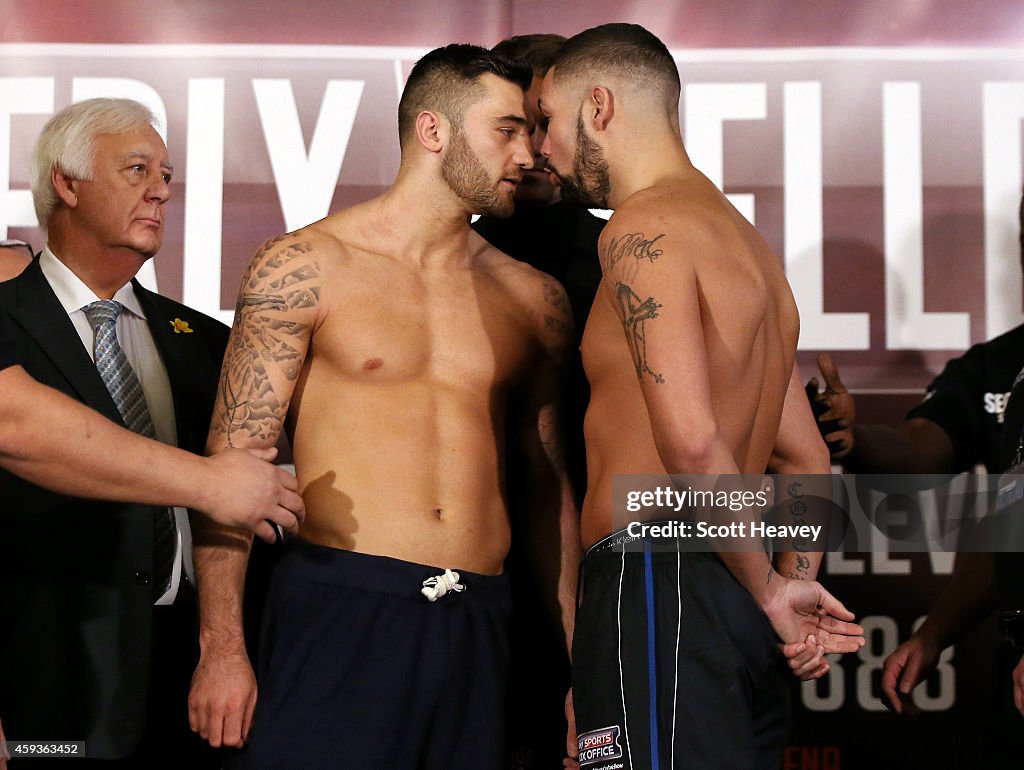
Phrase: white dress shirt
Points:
(136, 341)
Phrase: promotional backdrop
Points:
(876, 144)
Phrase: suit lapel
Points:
(40, 315)
(177, 352)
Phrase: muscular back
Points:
(690, 345)
(401, 368)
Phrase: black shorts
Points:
(674, 665)
(358, 670)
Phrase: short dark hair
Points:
(627, 50)
(447, 80)
(539, 51)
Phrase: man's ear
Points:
(432, 130)
(602, 106)
(65, 187)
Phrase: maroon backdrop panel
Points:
(877, 144)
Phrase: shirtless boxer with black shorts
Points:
(690, 351)
(386, 340)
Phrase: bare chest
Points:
(462, 331)
(603, 347)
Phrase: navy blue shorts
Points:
(674, 665)
(358, 670)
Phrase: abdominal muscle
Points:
(409, 470)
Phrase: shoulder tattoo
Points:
(636, 245)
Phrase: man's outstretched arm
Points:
(63, 445)
(966, 600)
(917, 445)
(277, 310)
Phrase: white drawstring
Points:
(436, 587)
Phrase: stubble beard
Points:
(588, 184)
(466, 176)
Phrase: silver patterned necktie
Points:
(126, 391)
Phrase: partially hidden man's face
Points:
(122, 206)
(576, 160)
(536, 189)
(484, 161)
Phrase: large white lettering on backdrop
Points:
(305, 175)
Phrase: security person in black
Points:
(1009, 582)
(962, 421)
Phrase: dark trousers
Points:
(168, 742)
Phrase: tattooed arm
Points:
(554, 534)
(553, 521)
(656, 294)
(799, 449)
(657, 302)
(278, 308)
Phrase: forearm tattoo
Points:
(636, 245)
(635, 314)
(798, 509)
(266, 345)
(547, 430)
(803, 568)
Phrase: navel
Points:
(373, 363)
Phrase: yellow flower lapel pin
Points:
(181, 327)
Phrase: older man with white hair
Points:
(98, 638)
